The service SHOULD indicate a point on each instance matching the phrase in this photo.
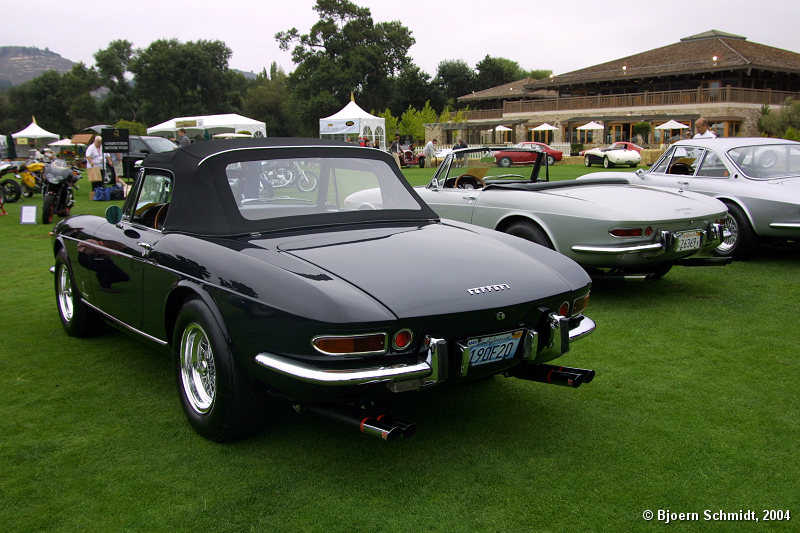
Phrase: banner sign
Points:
(115, 140)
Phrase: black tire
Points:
(551, 160)
(421, 162)
(48, 208)
(504, 162)
(531, 232)
(11, 190)
(607, 163)
(634, 165)
(78, 319)
(743, 241)
(220, 403)
(587, 161)
(307, 181)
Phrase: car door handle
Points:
(686, 183)
(146, 245)
(470, 198)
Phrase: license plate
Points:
(689, 240)
(493, 348)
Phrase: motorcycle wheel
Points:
(48, 208)
(307, 181)
(11, 190)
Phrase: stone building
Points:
(724, 77)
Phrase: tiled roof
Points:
(515, 89)
(691, 55)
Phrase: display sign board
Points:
(27, 214)
(115, 140)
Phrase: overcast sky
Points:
(559, 36)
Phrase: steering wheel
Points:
(680, 168)
(158, 223)
(468, 176)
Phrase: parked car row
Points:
(314, 295)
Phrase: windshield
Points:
(306, 186)
(160, 144)
(767, 160)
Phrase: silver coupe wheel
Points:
(727, 246)
(587, 161)
(64, 293)
(198, 371)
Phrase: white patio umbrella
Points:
(545, 127)
(591, 126)
(501, 128)
(62, 142)
(672, 125)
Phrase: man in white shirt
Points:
(430, 154)
(701, 127)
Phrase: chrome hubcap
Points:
(198, 373)
(730, 242)
(65, 303)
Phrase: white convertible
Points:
(606, 224)
(617, 154)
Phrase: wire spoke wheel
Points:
(198, 369)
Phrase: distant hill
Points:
(19, 64)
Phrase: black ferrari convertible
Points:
(241, 259)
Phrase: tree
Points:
(455, 78)
(412, 121)
(179, 79)
(344, 52)
(267, 99)
(494, 71)
(113, 64)
(776, 124)
(413, 88)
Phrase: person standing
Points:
(701, 127)
(183, 140)
(394, 149)
(94, 164)
(430, 153)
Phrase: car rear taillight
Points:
(402, 339)
(368, 344)
(563, 309)
(580, 304)
(631, 232)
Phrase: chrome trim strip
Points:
(352, 376)
(785, 225)
(123, 324)
(619, 249)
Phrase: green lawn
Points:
(695, 406)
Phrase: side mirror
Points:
(640, 173)
(113, 214)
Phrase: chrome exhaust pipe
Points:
(380, 426)
(556, 375)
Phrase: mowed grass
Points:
(695, 406)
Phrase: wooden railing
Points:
(644, 99)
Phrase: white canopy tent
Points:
(205, 126)
(352, 121)
(672, 125)
(591, 126)
(33, 131)
(545, 127)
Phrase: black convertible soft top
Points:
(203, 203)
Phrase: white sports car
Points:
(617, 154)
(609, 226)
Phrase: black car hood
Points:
(438, 268)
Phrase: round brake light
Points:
(402, 339)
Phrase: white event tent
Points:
(33, 131)
(352, 121)
(205, 126)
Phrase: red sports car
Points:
(506, 159)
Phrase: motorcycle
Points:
(279, 174)
(31, 173)
(57, 186)
(11, 189)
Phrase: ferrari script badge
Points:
(490, 288)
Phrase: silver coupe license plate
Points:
(493, 348)
(688, 240)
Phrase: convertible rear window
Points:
(767, 160)
(303, 186)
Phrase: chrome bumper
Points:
(666, 242)
(431, 370)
